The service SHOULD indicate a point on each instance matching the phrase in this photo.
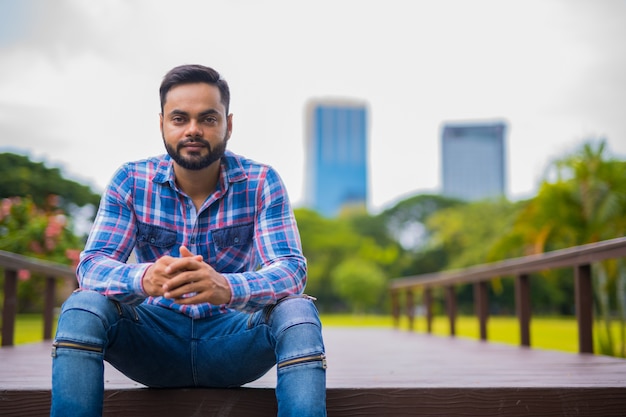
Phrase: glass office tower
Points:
(336, 155)
(473, 160)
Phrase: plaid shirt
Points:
(246, 230)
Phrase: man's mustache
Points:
(188, 141)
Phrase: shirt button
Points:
(236, 240)
(152, 240)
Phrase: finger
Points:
(184, 264)
(194, 299)
(183, 279)
(180, 291)
(186, 253)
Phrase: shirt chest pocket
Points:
(157, 236)
(233, 236)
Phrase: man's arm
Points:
(282, 269)
(102, 265)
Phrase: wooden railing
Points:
(579, 257)
(12, 263)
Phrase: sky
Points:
(79, 79)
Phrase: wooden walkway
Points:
(371, 372)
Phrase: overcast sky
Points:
(79, 79)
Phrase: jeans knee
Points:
(292, 311)
(85, 316)
(296, 327)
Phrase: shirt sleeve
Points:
(282, 266)
(102, 265)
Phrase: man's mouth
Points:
(193, 145)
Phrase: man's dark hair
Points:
(187, 74)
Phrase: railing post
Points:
(482, 307)
(10, 306)
(410, 308)
(428, 305)
(48, 307)
(451, 307)
(584, 305)
(395, 308)
(522, 305)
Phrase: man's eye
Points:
(178, 119)
(210, 120)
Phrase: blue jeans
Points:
(162, 348)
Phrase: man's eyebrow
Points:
(178, 112)
(209, 112)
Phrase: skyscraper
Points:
(473, 160)
(336, 155)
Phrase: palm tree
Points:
(582, 200)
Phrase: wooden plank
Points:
(428, 305)
(9, 310)
(522, 305)
(386, 358)
(569, 257)
(482, 307)
(48, 308)
(344, 402)
(410, 308)
(584, 307)
(371, 372)
(451, 308)
(15, 261)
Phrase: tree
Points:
(20, 177)
(327, 242)
(469, 232)
(405, 221)
(36, 218)
(32, 231)
(360, 282)
(581, 200)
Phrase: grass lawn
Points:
(555, 333)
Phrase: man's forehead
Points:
(195, 92)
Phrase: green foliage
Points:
(36, 219)
(360, 282)
(36, 211)
(20, 177)
(28, 230)
(581, 200)
(407, 218)
(468, 232)
(328, 242)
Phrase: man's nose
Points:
(194, 128)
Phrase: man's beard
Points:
(196, 162)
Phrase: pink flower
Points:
(5, 208)
(23, 274)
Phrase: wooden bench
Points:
(371, 372)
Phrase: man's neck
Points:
(198, 184)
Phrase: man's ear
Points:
(229, 125)
(161, 122)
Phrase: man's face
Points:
(194, 125)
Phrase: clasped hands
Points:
(186, 280)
